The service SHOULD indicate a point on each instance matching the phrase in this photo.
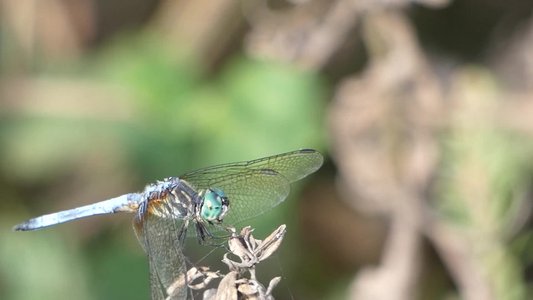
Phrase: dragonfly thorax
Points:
(214, 205)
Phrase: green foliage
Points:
(500, 160)
(25, 275)
(181, 121)
(251, 109)
(481, 192)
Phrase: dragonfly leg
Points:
(202, 233)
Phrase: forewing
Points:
(293, 166)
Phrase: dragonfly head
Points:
(214, 206)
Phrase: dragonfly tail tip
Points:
(17, 228)
(22, 227)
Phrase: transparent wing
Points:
(162, 240)
(252, 193)
(157, 291)
(293, 166)
(256, 186)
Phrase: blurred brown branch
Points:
(383, 126)
(61, 32)
(386, 126)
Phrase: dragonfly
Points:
(209, 199)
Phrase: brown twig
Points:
(236, 284)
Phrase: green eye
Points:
(214, 205)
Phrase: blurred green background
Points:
(422, 111)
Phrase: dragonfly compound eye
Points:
(214, 206)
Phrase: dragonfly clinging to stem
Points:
(208, 198)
